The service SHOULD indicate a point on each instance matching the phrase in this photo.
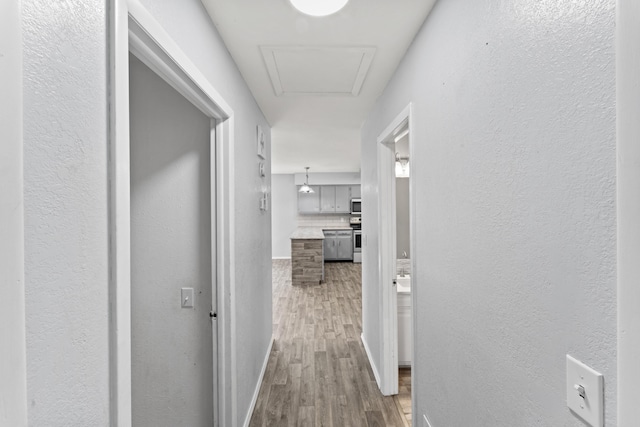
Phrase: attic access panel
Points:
(317, 70)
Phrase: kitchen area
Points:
(322, 217)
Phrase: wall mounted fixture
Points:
(305, 188)
(262, 149)
(402, 166)
(264, 201)
(318, 7)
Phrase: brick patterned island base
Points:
(307, 258)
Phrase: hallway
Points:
(318, 372)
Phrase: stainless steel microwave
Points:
(356, 206)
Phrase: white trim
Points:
(119, 221)
(256, 392)
(413, 243)
(388, 296)
(374, 368)
(628, 209)
(366, 54)
(281, 257)
(13, 369)
(387, 250)
(135, 30)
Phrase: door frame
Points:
(133, 29)
(387, 294)
(628, 208)
(13, 353)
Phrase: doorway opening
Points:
(396, 252)
(135, 31)
(403, 269)
(172, 288)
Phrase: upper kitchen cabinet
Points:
(335, 199)
(333, 192)
(309, 203)
(355, 191)
(328, 198)
(343, 199)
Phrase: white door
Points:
(172, 272)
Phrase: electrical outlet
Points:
(585, 392)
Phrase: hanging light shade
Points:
(305, 188)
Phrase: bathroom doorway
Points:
(403, 270)
(397, 248)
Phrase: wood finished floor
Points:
(318, 373)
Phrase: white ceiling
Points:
(316, 78)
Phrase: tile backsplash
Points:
(323, 220)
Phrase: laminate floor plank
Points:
(318, 373)
(375, 419)
(403, 398)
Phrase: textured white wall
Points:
(65, 195)
(171, 349)
(628, 150)
(514, 157)
(284, 219)
(13, 373)
(191, 28)
(66, 205)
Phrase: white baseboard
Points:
(374, 368)
(254, 399)
(426, 421)
(281, 257)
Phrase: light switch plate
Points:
(591, 407)
(186, 297)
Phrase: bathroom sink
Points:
(404, 283)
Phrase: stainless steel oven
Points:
(357, 246)
(356, 224)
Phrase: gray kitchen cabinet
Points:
(338, 245)
(309, 203)
(328, 198)
(335, 199)
(345, 245)
(330, 247)
(343, 199)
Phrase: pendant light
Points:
(305, 188)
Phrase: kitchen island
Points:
(307, 256)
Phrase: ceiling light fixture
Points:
(402, 166)
(305, 188)
(318, 7)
